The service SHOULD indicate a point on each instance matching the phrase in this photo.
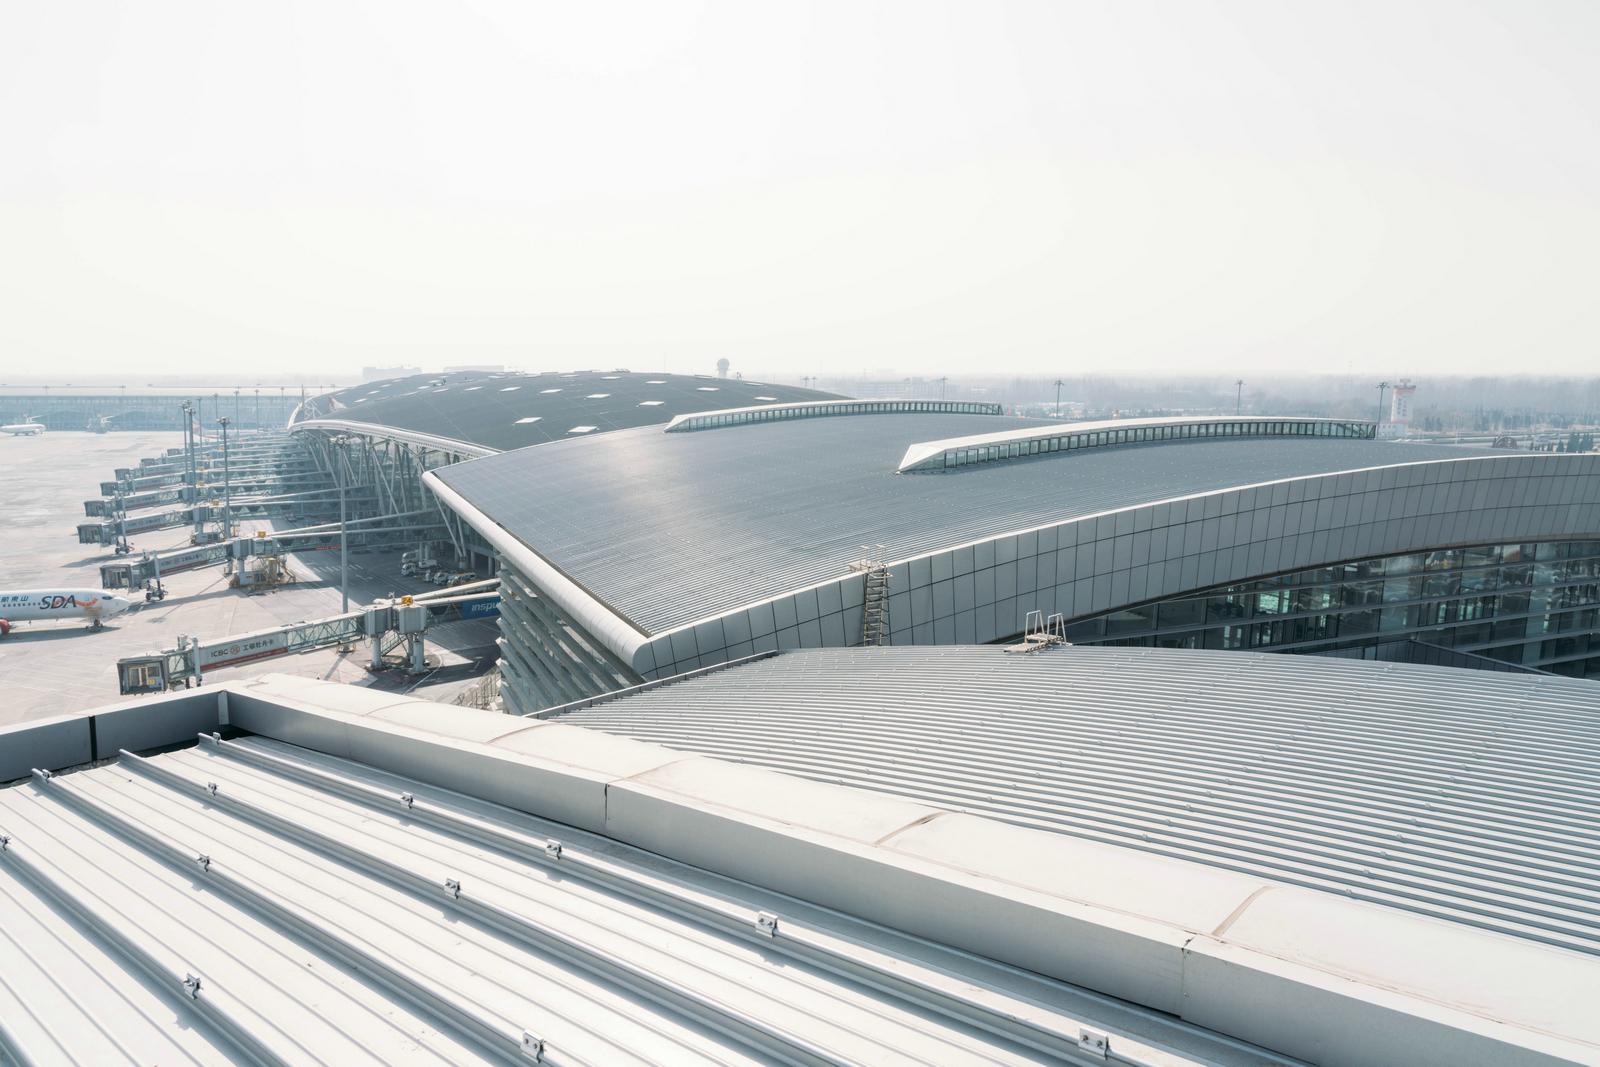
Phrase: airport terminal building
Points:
(661, 549)
(722, 834)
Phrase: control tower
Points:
(1398, 424)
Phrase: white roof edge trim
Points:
(606, 626)
(411, 437)
(919, 453)
(690, 420)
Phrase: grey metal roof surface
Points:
(668, 529)
(491, 409)
(1463, 795)
(333, 913)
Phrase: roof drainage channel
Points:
(819, 409)
(956, 452)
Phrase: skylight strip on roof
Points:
(956, 452)
(816, 409)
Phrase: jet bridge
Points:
(105, 533)
(386, 624)
(292, 505)
(133, 573)
(139, 484)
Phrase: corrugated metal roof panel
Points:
(334, 913)
(1464, 795)
(668, 529)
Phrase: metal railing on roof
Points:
(816, 409)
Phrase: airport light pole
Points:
(183, 412)
(1059, 384)
(1238, 396)
(123, 548)
(227, 493)
(188, 455)
(1381, 387)
(344, 548)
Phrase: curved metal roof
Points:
(1463, 795)
(504, 411)
(666, 529)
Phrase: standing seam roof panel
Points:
(312, 897)
(1461, 794)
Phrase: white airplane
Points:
(26, 428)
(48, 605)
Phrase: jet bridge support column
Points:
(411, 620)
(376, 623)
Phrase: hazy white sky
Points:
(803, 187)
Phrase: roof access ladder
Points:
(875, 597)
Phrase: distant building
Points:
(479, 368)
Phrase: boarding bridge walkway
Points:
(292, 505)
(402, 528)
(239, 488)
(385, 623)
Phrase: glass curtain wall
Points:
(1528, 604)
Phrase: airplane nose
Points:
(118, 605)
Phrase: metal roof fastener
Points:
(552, 849)
(767, 923)
(191, 986)
(1094, 1042)
(532, 1046)
(452, 886)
